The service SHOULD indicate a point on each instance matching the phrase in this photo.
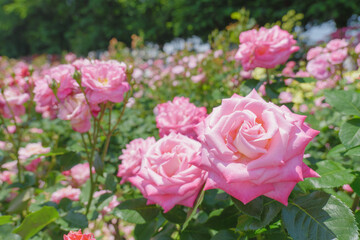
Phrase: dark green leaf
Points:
(110, 182)
(68, 160)
(319, 216)
(145, 231)
(225, 235)
(136, 211)
(270, 211)
(76, 220)
(347, 102)
(36, 221)
(20, 202)
(195, 233)
(176, 215)
(225, 220)
(253, 208)
(98, 164)
(332, 174)
(350, 133)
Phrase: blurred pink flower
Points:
(285, 97)
(68, 192)
(336, 44)
(79, 174)
(265, 48)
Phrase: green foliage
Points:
(35, 221)
(319, 216)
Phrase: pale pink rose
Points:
(68, 192)
(288, 81)
(179, 116)
(43, 95)
(320, 67)
(12, 102)
(132, 156)
(192, 62)
(285, 97)
(104, 81)
(36, 130)
(75, 109)
(21, 69)
(314, 52)
(251, 147)
(78, 236)
(5, 146)
(63, 76)
(79, 174)
(11, 129)
(9, 173)
(198, 78)
(79, 63)
(166, 176)
(347, 188)
(178, 69)
(336, 44)
(303, 108)
(218, 53)
(245, 74)
(29, 150)
(338, 56)
(137, 74)
(113, 203)
(302, 74)
(70, 57)
(265, 48)
(357, 48)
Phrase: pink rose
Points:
(336, 44)
(245, 74)
(12, 102)
(265, 48)
(285, 97)
(314, 52)
(179, 116)
(75, 109)
(251, 147)
(347, 188)
(320, 67)
(338, 56)
(78, 236)
(132, 156)
(79, 173)
(63, 76)
(70, 57)
(68, 192)
(166, 176)
(198, 78)
(104, 81)
(178, 69)
(29, 150)
(357, 48)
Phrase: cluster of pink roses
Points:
(58, 93)
(323, 61)
(78, 236)
(246, 147)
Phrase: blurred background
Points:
(53, 26)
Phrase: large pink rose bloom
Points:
(179, 116)
(253, 148)
(265, 48)
(166, 176)
(132, 156)
(105, 81)
(75, 109)
(68, 192)
(63, 76)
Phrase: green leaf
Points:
(270, 211)
(98, 164)
(332, 174)
(5, 219)
(145, 231)
(350, 133)
(225, 220)
(319, 216)
(195, 233)
(225, 235)
(336, 152)
(347, 102)
(355, 185)
(110, 182)
(5, 233)
(176, 215)
(68, 160)
(253, 208)
(20, 202)
(193, 210)
(353, 152)
(36, 221)
(136, 211)
(76, 220)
